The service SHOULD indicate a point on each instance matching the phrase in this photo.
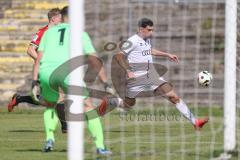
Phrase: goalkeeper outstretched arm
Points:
(95, 65)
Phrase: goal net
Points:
(194, 30)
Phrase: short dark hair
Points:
(64, 11)
(144, 22)
(53, 12)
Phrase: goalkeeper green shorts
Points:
(50, 93)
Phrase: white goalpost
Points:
(230, 75)
(76, 128)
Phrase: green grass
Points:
(146, 135)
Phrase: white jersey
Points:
(138, 50)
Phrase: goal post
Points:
(230, 75)
(76, 128)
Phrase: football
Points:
(204, 78)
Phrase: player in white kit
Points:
(142, 77)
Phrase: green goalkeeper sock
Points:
(50, 123)
(95, 128)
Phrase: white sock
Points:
(183, 108)
(120, 104)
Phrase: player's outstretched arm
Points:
(120, 57)
(156, 52)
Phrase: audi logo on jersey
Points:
(146, 52)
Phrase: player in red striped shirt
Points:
(54, 17)
(50, 117)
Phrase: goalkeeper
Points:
(52, 52)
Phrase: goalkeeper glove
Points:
(35, 90)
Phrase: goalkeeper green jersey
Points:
(55, 47)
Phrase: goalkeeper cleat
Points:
(13, 102)
(104, 152)
(199, 123)
(48, 147)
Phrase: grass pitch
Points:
(157, 134)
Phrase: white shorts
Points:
(144, 85)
